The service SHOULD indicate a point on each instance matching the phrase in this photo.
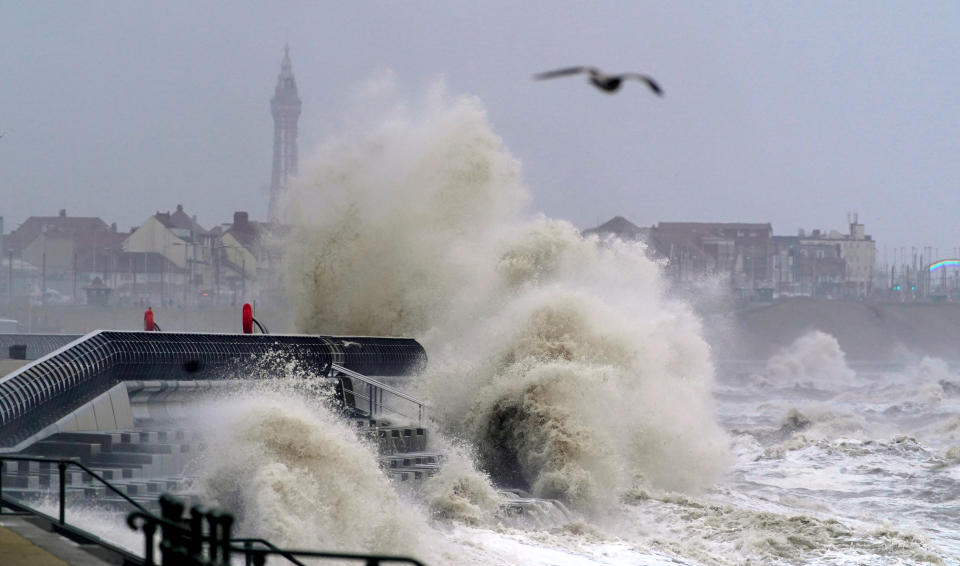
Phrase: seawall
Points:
(866, 331)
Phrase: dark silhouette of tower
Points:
(285, 107)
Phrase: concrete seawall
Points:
(866, 331)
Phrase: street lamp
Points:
(243, 271)
(186, 263)
(10, 274)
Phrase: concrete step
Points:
(51, 478)
(20, 481)
(102, 438)
(404, 476)
(412, 460)
(145, 448)
(395, 440)
(60, 449)
(365, 423)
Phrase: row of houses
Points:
(754, 261)
(172, 259)
(169, 259)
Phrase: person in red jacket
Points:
(148, 323)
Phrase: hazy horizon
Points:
(794, 115)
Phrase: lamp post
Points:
(218, 262)
(243, 270)
(10, 274)
(186, 263)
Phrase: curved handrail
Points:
(369, 559)
(62, 464)
(148, 522)
(266, 543)
(38, 394)
(375, 383)
(257, 555)
(384, 387)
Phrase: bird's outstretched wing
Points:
(644, 78)
(563, 72)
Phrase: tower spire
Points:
(285, 107)
(286, 65)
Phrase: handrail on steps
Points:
(62, 464)
(253, 556)
(383, 386)
(202, 536)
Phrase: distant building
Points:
(753, 260)
(621, 228)
(240, 258)
(54, 226)
(147, 278)
(66, 252)
(742, 252)
(183, 243)
(858, 252)
(808, 267)
(285, 108)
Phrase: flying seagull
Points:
(606, 83)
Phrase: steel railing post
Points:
(248, 553)
(196, 531)
(149, 531)
(62, 469)
(225, 525)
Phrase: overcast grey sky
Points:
(789, 113)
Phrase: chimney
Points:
(857, 231)
(240, 220)
(113, 227)
(63, 213)
(179, 208)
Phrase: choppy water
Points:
(863, 470)
(562, 365)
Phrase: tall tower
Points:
(285, 107)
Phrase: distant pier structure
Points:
(285, 107)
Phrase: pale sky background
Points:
(794, 114)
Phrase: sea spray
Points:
(296, 475)
(458, 492)
(392, 229)
(815, 359)
(558, 355)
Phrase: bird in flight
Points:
(606, 83)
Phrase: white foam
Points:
(418, 227)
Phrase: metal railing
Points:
(62, 465)
(59, 524)
(203, 537)
(37, 345)
(375, 403)
(41, 392)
